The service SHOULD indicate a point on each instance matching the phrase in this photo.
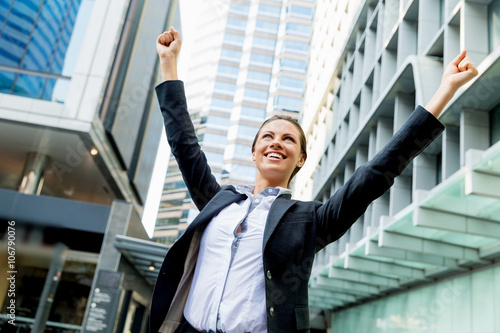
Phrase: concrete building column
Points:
(32, 178)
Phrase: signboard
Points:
(104, 302)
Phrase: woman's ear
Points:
(253, 155)
(302, 160)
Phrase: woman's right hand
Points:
(168, 46)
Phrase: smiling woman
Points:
(243, 264)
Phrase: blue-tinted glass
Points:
(214, 158)
(227, 69)
(226, 86)
(294, 46)
(288, 63)
(236, 23)
(297, 28)
(29, 86)
(238, 8)
(258, 76)
(36, 36)
(217, 121)
(287, 103)
(269, 10)
(244, 171)
(299, 11)
(221, 103)
(256, 93)
(6, 81)
(12, 46)
(247, 132)
(214, 140)
(242, 150)
(494, 24)
(231, 54)
(264, 42)
(234, 39)
(49, 89)
(266, 25)
(261, 58)
(286, 82)
(253, 112)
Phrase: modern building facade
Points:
(424, 256)
(248, 63)
(80, 129)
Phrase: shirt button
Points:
(271, 311)
(270, 190)
(268, 274)
(257, 200)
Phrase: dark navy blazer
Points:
(295, 230)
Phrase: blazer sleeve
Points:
(375, 177)
(183, 142)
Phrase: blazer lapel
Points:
(276, 212)
(224, 198)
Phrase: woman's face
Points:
(277, 151)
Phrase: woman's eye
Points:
(266, 136)
(290, 139)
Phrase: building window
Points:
(243, 172)
(37, 38)
(236, 23)
(214, 159)
(258, 76)
(299, 11)
(287, 103)
(298, 29)
(269, 10)
(261, 59)
(256, 93)
(266, 26)
(291, 83)
(264, 42)
(243, 152)
(239, 8)
(228, 71)
(293, 64)
(495, 125)
(227, 87)
(229, 54)
(494, 24)
(234, 39)
(252, 112)
(214, 140)
(222, 104)
(295, 47)
(246, 132)
(217, 122)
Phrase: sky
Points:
(189, 16)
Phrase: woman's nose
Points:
(276, 143)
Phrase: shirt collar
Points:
(276, 191)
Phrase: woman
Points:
(244, 263)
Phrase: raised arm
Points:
(181, 135)
(375, 177)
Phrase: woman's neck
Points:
(262, 184)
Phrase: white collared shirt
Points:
(228, 288)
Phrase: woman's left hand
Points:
(458, 72)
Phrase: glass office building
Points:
(248, 63)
